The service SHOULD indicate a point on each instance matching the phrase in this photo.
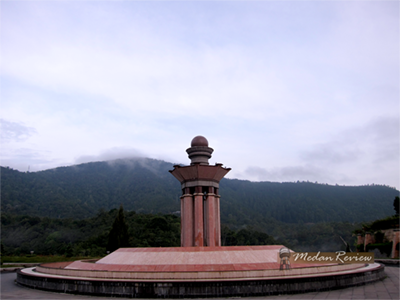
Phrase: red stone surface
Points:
(198, 221)
(210, 221)
(85, 270)
(191, 264)
(199, 172)
(187, 227)
(189, 259)
(218, 221)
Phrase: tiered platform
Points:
(194, 272)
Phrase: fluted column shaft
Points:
(187, 220)
(198, 220)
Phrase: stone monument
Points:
(200, 209)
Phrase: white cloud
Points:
(14, 131)
(284, 85)
(292, 173)
(110, 154)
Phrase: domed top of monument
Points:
(199, 152)
(199, 141)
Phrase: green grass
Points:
(10, 266)
(40, 258)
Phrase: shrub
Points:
(384, 248)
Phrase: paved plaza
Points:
(385, 289)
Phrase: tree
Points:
(396, 205)
(69, 251)
(118, 236)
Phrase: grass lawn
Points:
(40, 258)
(10, 266)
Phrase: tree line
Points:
(109, 230)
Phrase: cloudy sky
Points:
(283, 91)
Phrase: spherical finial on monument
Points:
(199, 152)
(199, 141)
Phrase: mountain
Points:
(145, 186)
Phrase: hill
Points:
(145, 186)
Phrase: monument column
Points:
(200, 212)
(218, 222)
(198, 218)
(211, 229)
(186, 220)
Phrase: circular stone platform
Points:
(194, 272)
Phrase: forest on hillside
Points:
(70, 210)
(146, 186)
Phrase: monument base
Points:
(194, 272)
